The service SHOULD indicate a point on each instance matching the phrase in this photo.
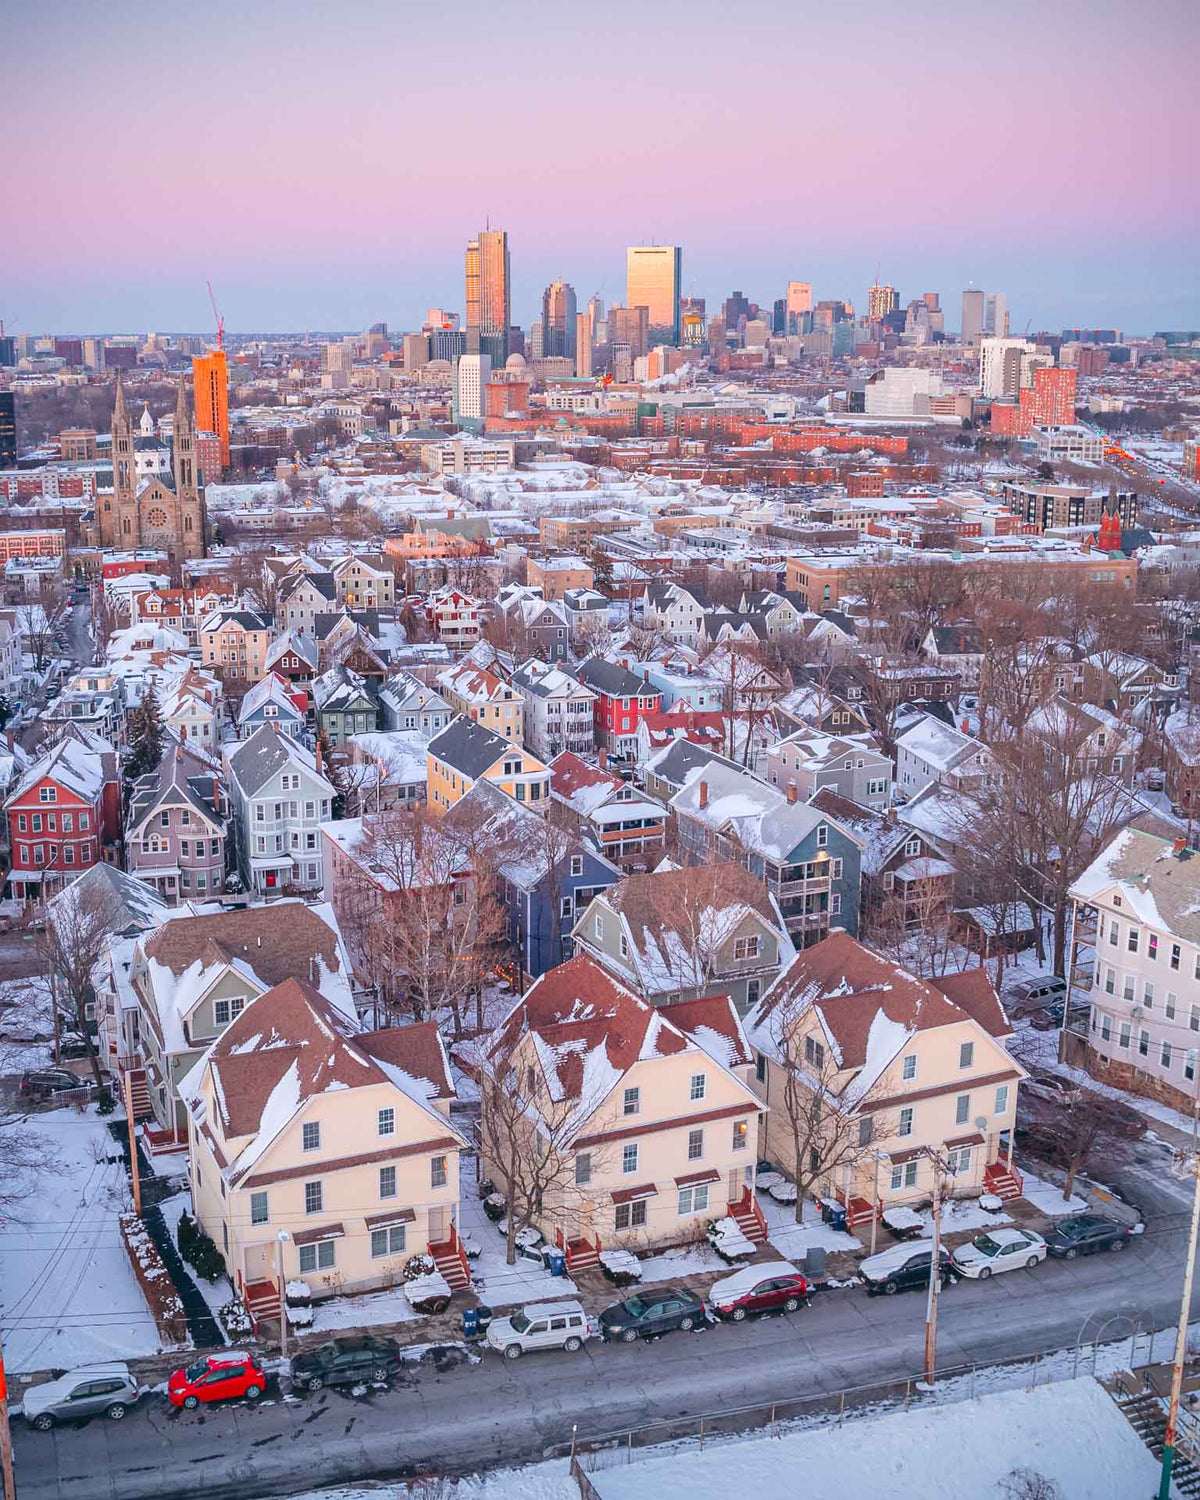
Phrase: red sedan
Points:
(220, 1377)
(773, 1286)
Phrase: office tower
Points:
(471, 375)
(69, 350)
(972, 316)
(653, 279)
(8, 351)
(211, 380)
(779, 316)
(932, 301)
(438, 317)
(799, 302)
(736, 308)
(1004, 366)
(93, 354)
(631, 326)
(757, 333)
(8, 430)
(583, 344)
(416, 350)
(881, 300)
(1051, 397)
(693, 330)
(447, 343)
(489, 294)
(995, 315)
(830, 311)
(537, 339)
(558, 319)
(516, 341)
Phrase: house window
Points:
(387, 1182)
(822, 835)
(693, 1200)
(904, 1176)
(1128, 989)
(866, 1130)
(835, 904)
(629, 1159)
(1132, 942)
(760, 1067)
(310, 1133)
(837, 870)
(1166, 1054)
(1169, 1006)
(913, 846)
(583, 1169)
(966, 1054)
(745, 947)
(630, 1215)
(624, 946)
(390, 1241)
(47, 794)
(1126, 1033)
(962, 1109)
(437, 1171)
(699, 1087)
(905, 1127)
(1148, 995)
(1152, 945)
(598, 927)
(1106, 1028)
(1175, 955)
(814, 1052)
(695, 1147)
(260, 1211)
(225, 1011)
(1189, 1066)
(319, 1257)
(387, 1121)
(633, 1101)
(741, 1134)
(314, 1197)
(565, 908)
(1110, 982)
(908, 1068)
(1002, 1099)
(1114, 935)
(1143, 1043)
(958, 1162)
(577, 864)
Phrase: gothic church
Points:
(163, 511)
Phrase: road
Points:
(474, 1416)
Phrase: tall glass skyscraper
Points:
(559, 312)
(653, 279)
(489, 295)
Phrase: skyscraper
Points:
(471, 374)
(489, 295)
(653, 279)
(211, 380)
(583, 344)
(995, 315)
(558, 319)
(881, 300)
(8, 430)
(799, 306)
(972, 316)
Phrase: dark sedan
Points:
(655, 1312)
(1084, 1234)
(355, 1361)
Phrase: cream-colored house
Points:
(901, 1064)
(321, 1152)
(651, 1113)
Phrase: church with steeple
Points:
(161, 510)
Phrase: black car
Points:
(1084, 1234)
(655, 1312)
(903, 1267)
(43, 1083)
(346, 1362)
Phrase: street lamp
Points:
(281, 1239)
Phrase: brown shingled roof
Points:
(277, 942)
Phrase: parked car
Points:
(1084, 1234)
(902, 1267)
(91, 1391)
(656, 1312)
(219, 1377)
(999, 1250)
(44, 1083)
(352, 1361)
(1033, 993)
(1051, 1087)
(542, 1325)
(773, 1286)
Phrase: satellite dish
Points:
(981, 1122)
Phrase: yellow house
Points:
(321, 1152)
(900, 1066)
(648, 1118)
(466, 752)
(484, 697)
(233, 644)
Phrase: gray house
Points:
(279, 797)
(853, 765)
(406, 704)
(344, 706)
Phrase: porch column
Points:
(1011, 1133)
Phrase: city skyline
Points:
(1055, 202)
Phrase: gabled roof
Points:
(269, 689)
(70, 763)
(683, 756)
(220, 618)
(293, 643)
(880, 836)
(340, 689)
(171, 785)
(133, 904)
(614, 680)
(582, 787)
(544, 681)
(1158, 884)
(470, 748)
(761, 817)
(406, 692)
(265, 753)
(323, 584)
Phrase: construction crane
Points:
(220, 320)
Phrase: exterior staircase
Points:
(139, 1092)
(860, 1211)
(581, 1255)
(261, 1299)
(1003, 1180)
(749, 1217)
(1146, 1416)
(451, 1260)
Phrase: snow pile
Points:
(727, 1239)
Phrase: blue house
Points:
(810, 863)
(548, 874)
(273, 701)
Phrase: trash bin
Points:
(556, 1261)
(837, 1217)
(826, 1213)
(470, 1322)
(814, 1262)
(485, 1316)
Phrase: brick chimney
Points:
(704, 794)
(1180, 845)
(791, 791)
(891, 814)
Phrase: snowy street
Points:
(477, 1415)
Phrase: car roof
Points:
(89, 1372)
(551, 1309)
(895, 1256)
(749, 1277)
(1006, 1236)
(231, 1357)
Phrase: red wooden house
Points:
(64, 815)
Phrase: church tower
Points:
(190, 497)
(118, 517)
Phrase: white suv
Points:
(542, 1325)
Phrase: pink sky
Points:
(325, 165)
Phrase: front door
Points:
(258, 1263)
(735, 1184)
(439, 1225)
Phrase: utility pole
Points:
(134, 1175)
(6, 1453)
(1184, 1166)
(935, 1268)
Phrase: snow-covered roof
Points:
(1157, 883)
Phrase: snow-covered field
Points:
(370, 1311)
(67, 1293)
(688, 1260)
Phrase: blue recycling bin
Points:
(556, 1261)
(470, 1323)
(837, 1218)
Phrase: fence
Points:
(830, 1407)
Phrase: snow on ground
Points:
(688, 1260)
(370, 1311)
(1072, 1433)
(962, 1214)
(68, 1295)
(1047, 1197)
(498, 1284)
(217, 1294)
(549, 1481)
(792, 1239)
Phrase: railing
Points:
(816, 886)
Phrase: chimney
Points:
(1180, 845)
(791, 792)
(891, 814)
(704, 794)
(966, 726)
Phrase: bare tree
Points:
(913, 928)
(108, 615)
(1028, 1484)
(25, 1155)
(43, 627)
(69, 946)
(747, 694)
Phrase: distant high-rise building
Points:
(799, 302)
(558, 319)
(995, 315)
(8, 430)
(93, 354)
(211, 380)
(693, 330)
(537, 339)
(447, 343)
(932, 301)
(471, 375)
(516, 340)
(971, 329)
(881, 300)
(416, 351)
(653, 280)
(8, 351)
(583, 344)
(1004, 367)
(630, 325)
(596, 313)
(779, 316)
(736, 308)
(489, 294)
(438, 317)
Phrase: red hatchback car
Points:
(220, 1377)
(774, 1286)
